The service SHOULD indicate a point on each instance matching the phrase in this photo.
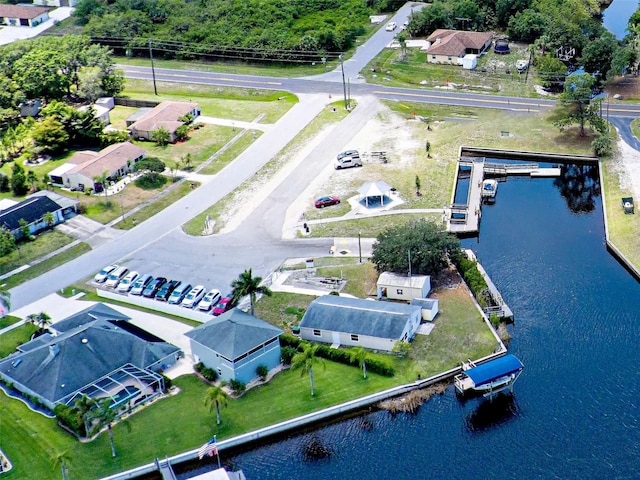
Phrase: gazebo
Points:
(374, 189)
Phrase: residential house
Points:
(451, 46)
(31, 210)
(22, 15)
(56, 3)
(165, 115)
(235, 344)
(398, 286)
(355, 322)
(95, 352)
(84, 166)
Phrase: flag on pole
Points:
(210, 448)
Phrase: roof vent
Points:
(85, 341)
(54, 349)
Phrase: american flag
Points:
(210, 448)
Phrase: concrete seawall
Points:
(525, 155)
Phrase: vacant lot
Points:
(27, 252)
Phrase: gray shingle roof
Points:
(31, 210)
(80, 356)
(99, 311)
(234, 333)
(358, 316)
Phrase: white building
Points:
(397, 286)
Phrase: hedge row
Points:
(208, 373)
(469, 271)
(338, 355)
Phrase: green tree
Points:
(61, 460)
(550, 70)
(359, 354)
(25, 231)
(247, 284)
(32, 178)
(5, 295)
(401, 348)
(40, 74)
(83, 406)
(102, 181)
(7, 242)
(4, 183)
(161, 136)
(18, 180)
(49, 219)
(526, 26)
(216, 398)
(186, 162)
(402, 40)
(90, 83)
(597, 55)
(304, 360)
(576, 106)
(425, 244)
(41, 320)
(151, 167)
(106, 416)
(182, 132)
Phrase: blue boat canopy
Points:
(490, 371)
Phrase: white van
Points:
(115, 276)
(349, 158)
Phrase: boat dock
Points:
(465, 217)
(489, 378)
(502, 310)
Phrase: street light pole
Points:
(344, 85)
(359, 247)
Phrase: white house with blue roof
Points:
(235, 344)
(354, 322)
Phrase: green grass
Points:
(635, 127)
(232, 202)
(361, 279)
(230, 154)
(244, 104)
(46, 242)
(370, 227)
(8, 320)
(156, 206)
(14, 338)
(49, 264)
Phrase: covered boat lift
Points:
(489, 378)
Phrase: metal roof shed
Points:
(490, 371)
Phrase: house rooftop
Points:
(31, 210)
(64, 202)
(21, 11)
(456, 42)
(358, 316)
(403, 280)
(165, 114)
(234, 333)
(92, 164)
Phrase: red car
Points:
(327, 201)
(224, 304)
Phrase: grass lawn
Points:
(156, 205)
(49, 264)
(228, 206)
(119, 114)
(244, 104)
(46, 242)
(14, 338)
(230, 154)
(370, 227)
(8, 320)
(361, 281)
(624, 230)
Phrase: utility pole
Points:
(359, 247)
(409, 254)
(153, 70)
(344, 85)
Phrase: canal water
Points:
(575, 412)
(616, 16)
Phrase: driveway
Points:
(11, 34)
(84, 229)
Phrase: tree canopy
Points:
(426, 244)
(576, 105)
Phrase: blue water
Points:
(617, 15)
(575, 412)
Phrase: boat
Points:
(489, 378)
(489, 189)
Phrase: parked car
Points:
(166, 290)
(194, 296)
(327, 201)
(139, 285)
(115, 276)
(102, 275)
(349, 158)
(152, 288)
(179, 293)
(127, 282)
(209, 300)
(391, 26)
(225, 303)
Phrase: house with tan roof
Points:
(450, 46)
(22, 15)
(165, 115)
(78, 173)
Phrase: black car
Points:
(166, 290)
(153, 287)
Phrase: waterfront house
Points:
(235, 344)
(95, 352)
(451, 46)
(32, 210)
(355, 322)
(168, 115)
(22, 15)
(398, 286)
(84, 166)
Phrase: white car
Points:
(102, 275)
(127, 282)
(391, 26)
(209, 300)
(194, 296)
(115, 276)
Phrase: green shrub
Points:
(237, 386)
(208, 373)
(262, 371)
(167, 383)
(68, 416)
(150, 182)
(287, 353)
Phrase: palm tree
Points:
(48, 218)
(61, 459)
(40, 319)
(216, 398)
(5, 298)
(102, 180)
(106, 415)
(32, 178)
(359, 354)
(247, 284)
(83, 406)
(304, 360)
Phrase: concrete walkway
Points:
(264, 127)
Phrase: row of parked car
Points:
(175, 292)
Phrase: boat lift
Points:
(489, 378)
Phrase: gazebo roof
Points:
(374, 189)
